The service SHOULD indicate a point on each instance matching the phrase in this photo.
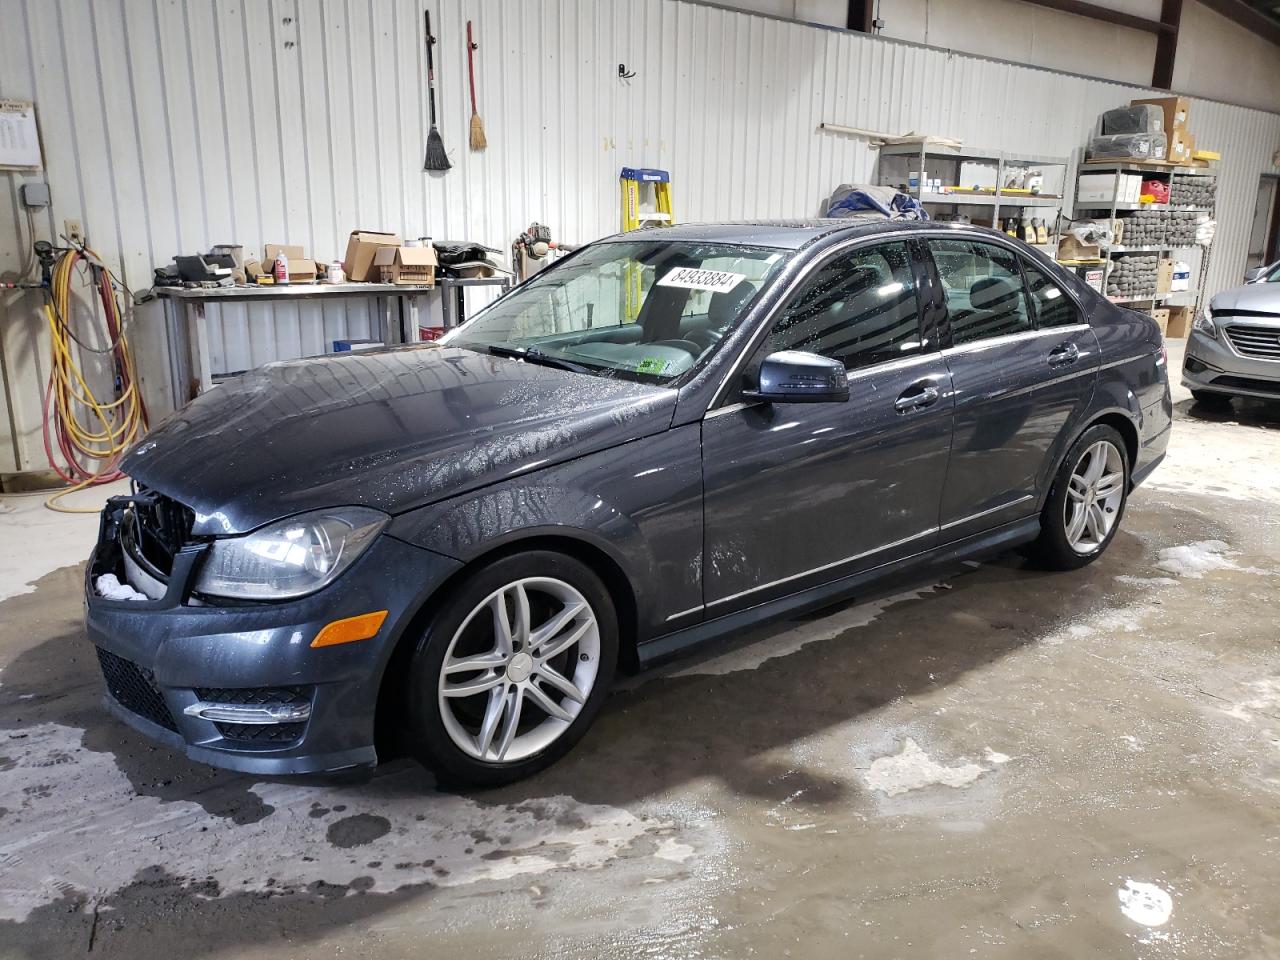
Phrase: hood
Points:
(1261, 297)
(390, 429)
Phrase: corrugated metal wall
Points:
(169, 126)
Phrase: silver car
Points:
(1234, 346)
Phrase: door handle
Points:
(1064, 355)
(917, 397)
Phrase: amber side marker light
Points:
(351, 629)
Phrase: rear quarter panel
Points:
(1133, 377)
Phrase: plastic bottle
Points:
(280, 270)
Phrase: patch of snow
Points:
(996, 758)
(1145, 581)
(1145, 903)
(1194, 560)
(912, 769)
(1266, 701)
(108, 585)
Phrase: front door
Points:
(798, 494)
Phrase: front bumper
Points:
(1213, 366)
(163, 657)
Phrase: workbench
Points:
(399, 309)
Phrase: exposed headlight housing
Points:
(290, 558)
(1204, 323)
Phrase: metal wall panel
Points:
(170, 125)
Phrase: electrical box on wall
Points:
(35, 195)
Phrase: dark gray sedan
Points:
(666, 437)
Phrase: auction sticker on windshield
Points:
(716, 281)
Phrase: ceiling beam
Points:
(861, 16)
(1251, 18)
(1096, 12)
(1167, 45)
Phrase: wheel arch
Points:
(390, 702)
(1119, 420)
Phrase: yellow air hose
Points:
(85, 437)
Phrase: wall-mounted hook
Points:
(624, 73)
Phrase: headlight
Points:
(290, 558)
(1204, 323)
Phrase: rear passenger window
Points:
(860, 309)
(983, 287)
(1053, 307)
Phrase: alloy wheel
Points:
(519, 670)
(1095, 491)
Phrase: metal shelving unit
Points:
(1147, 170)
(924, 154)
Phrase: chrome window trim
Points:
(1012, 338)
(825, 566)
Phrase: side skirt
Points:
(664, 648)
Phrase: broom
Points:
(436, 157)
(478, 141)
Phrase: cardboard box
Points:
(362, 246)
(1179, 325)
(408, 265)
(1161, 316)
(1181, 145)
(1102, 187)
(1069, 248)
(301, 269)
(1176, 110)
(1164, 275)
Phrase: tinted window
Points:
(985, 295)
(860, 308)
(1053, 307)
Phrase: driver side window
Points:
(859, 308)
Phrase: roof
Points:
(786, 234)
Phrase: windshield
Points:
(645, 310)
(1274, 275)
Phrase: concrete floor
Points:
(1002, 764)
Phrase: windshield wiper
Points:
(534, 355)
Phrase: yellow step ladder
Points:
(633, 217)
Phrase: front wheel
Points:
(1086, 502)
(1210, 398)
(512, 670)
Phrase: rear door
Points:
(797, 494)
(1017, 381)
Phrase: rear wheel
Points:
(1086, 502)
(512, 670)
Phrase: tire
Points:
(1211, 399)
(1055, 548)
(463, 736)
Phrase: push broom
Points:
(478, 141)
(436, 159)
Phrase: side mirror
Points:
(1254, 274)
(795, 376)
